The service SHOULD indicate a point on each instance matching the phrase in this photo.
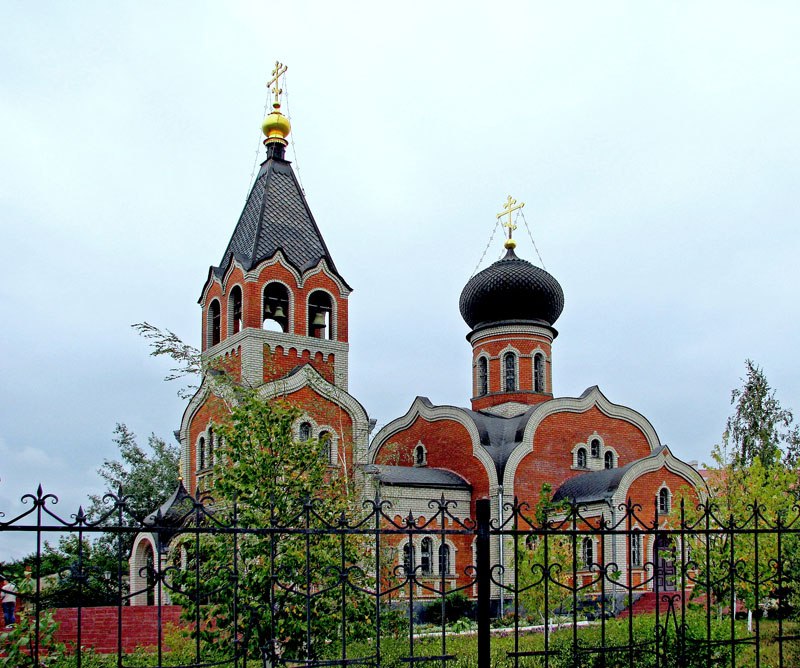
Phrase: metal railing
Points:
(580, 586)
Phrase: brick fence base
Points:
(99, 626)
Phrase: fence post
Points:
(483, 567)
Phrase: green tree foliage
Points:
(72, 573)
(753, 488)
(760, 428)
(297, 591)
(544, 561)
(18, 646)
(146, 476)
(187, 360)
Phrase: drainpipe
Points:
(614, 557)
(502, 551)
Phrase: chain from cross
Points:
(279, 70)
(508, 208)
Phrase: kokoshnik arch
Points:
(275, 313)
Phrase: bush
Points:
(456, 606)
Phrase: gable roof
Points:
(276, 217)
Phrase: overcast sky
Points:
(654, 144)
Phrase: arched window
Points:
(327, 446)
(305, 431)
(483, 376)
(275, 309)
(201, 453)
(235, 323)
(609, 459)
(426, 554)
(408, 559)
(420, 456)
(320, 309)
(636, 549)
(538, 372)
(510, 372)
(587, 552)
(214, 322)
(444, 559)
(210, 461)
(595, 446)
(581, 458)
(663, 501)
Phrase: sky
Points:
(655, 146)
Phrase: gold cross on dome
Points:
(279, 70)
(509, 207)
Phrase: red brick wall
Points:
(99, 626)
(525, 344)
(277, 364)
(449, 447)
(252, 292)
(551, 458)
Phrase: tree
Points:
(187, 359)
(145, 476)
(543, 560)
(252, 587)
(753, 493)
(760, 428)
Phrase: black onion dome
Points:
(511, 289)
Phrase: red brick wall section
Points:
(212, 410)
(551, 458)
(279, 363)
(99, 626)
(252, 294)
(645, 488)
(326, 413)
(449, 447)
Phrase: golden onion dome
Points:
(276, 126)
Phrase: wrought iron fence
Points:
(574, 586)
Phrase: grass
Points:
(464, 648)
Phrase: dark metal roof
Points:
(276, 217)
(595, 485)
(420, 476)
(173, 512)
(511, 289)
(500, 435)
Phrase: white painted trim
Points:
(511, 330)
(656, 461)
(322, 267)
(278, 258)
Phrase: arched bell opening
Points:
(275, 311)
(320, 311)
(235, 323)
(214, 330)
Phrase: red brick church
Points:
(274, 309)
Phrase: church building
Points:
(274, 314)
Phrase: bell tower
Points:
(274, 319)
(276, 300)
